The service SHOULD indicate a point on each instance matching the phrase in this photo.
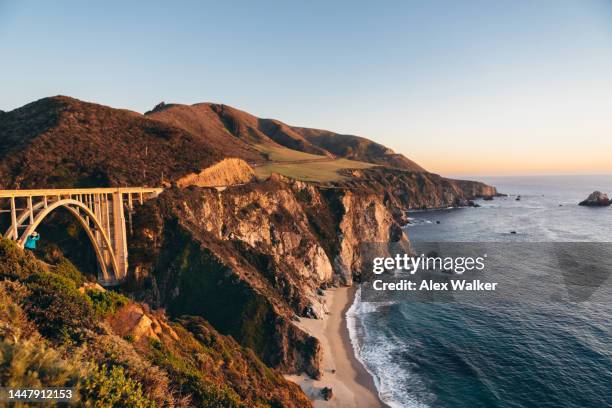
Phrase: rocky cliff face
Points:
(250, 258)
(404, 190)
(366, 219)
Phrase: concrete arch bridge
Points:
(100, 211)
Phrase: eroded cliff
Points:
(402, 191)
(251, 258)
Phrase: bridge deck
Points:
(77, 191)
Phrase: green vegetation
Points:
(111, 387)
(66, 269)
(304, 166)
(33, 364)
(193, 381)
(28, 360)
(319, 171)
(249, 315)
(107, 302)
(46, 329)
(54, 334)
(15, 263)
(279, 153)
(57, 307)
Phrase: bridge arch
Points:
(97, 234)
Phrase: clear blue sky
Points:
(462, 87)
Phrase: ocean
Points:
(529, 350)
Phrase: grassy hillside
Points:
(323, 171)
(57, 330)
(304, 166)
(277, 138)
(357, 148)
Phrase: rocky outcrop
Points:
(227, 172)
(596, 199)
(366, 221)
(134, 321)
(250, 258)
(403, 190)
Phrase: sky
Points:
(461, 87)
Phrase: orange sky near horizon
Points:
(582, 156)
(599, 163)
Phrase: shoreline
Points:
(352, 385)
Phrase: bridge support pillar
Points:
(119, 235)
(14, 218)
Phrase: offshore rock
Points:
(596, 199)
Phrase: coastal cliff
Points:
(250, 259)
(238, 265)
(405, 190)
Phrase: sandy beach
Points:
(352, 385)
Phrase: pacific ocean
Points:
(527, 351)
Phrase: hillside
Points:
(248, 130)
(58, 330)
(270, 132)
(61, 141)
(204, 120)
(357, 148)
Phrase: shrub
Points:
(192, 381)
(67, 269)
(14, 323)
(114, 351)
(31, 364)
(212, 395)
(106, 303)
(17, 264)
(111, 387)
(57, 307)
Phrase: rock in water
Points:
(596, 199)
